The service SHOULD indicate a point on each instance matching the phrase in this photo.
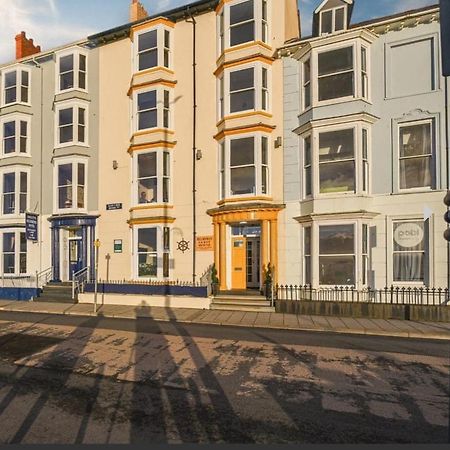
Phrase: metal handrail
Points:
(79, 279)
(45, 275)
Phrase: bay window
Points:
(152, 250)
(153, 48)
(337, 161)
(409, 250)
(16, 86)
(152, 175)
(72, 71)
(247, 89)
(307, 166)
(15, 135)
(337, 255)
(244, 166)
(335, 74)
(71, 124)
(71, 185)
(152, 109)
(416, 155)
(14, 253)
(307, 237)
(15, 192)
(242, 21)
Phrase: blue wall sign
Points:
(31, 226)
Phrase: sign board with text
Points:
(114, 206)
(205, 244)
(118, 246)
(31, 227)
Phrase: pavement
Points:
(345, 325)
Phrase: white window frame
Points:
(75, 105)
(160, 46)
(258, 87)
(16, 118)
(159, 251)
(74, 161)
(76, 53)
(357, 128)
(257, 163)
(160, 107)
(356, 44)
(18, 69)
(304, 165)
(333, 20)
(16, 169)
(17, 253)
(429, 250)
(258, 19)
(159, 176)
(433, 167)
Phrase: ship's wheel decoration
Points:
(183, 246)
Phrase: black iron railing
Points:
(389, 295)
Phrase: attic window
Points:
(332, 20)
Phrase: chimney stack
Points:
(137, 11)
(25, 47)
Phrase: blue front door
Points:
(75, 257)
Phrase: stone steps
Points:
(57, 293)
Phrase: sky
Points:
(52, 23)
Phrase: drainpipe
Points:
(447, 137)
(40, 241)
(194, 145)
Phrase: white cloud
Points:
(40, 20)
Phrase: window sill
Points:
(68, 91)
(7, 105)
(15, 155)
(69, 211)
(153, 69)
(72, 144)
(151, 206)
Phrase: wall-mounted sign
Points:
(118, 246)
(31, 226)
(409, 235)
(113, 206)
(205, 243)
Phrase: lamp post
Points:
(97, 248)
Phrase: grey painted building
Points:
(49, 160)
(365, 155)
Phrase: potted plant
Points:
(268, 280)
(214, 280)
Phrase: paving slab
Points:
(263, 319)
(223, 317)
(236, 318)
(321, 322)
(291, 321)
(276, 320)
(336, 323)
(305, 322)
(249, 318)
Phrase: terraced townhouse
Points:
(49, 163)
(365, 152)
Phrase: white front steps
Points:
(250, 303)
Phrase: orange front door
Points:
(239, 277)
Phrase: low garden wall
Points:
(149, 289)
(364, 310)
(18, 293)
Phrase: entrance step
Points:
(57, 293)
(250, 301)
(244, 308)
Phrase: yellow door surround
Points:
(266, 215)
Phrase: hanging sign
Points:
(31, 226)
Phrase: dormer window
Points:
(332, 20)
(332, 16)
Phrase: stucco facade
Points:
(34, 109)
(374, 219)
(147, 128)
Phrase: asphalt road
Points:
(70, 379)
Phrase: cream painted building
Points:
(191, 142)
